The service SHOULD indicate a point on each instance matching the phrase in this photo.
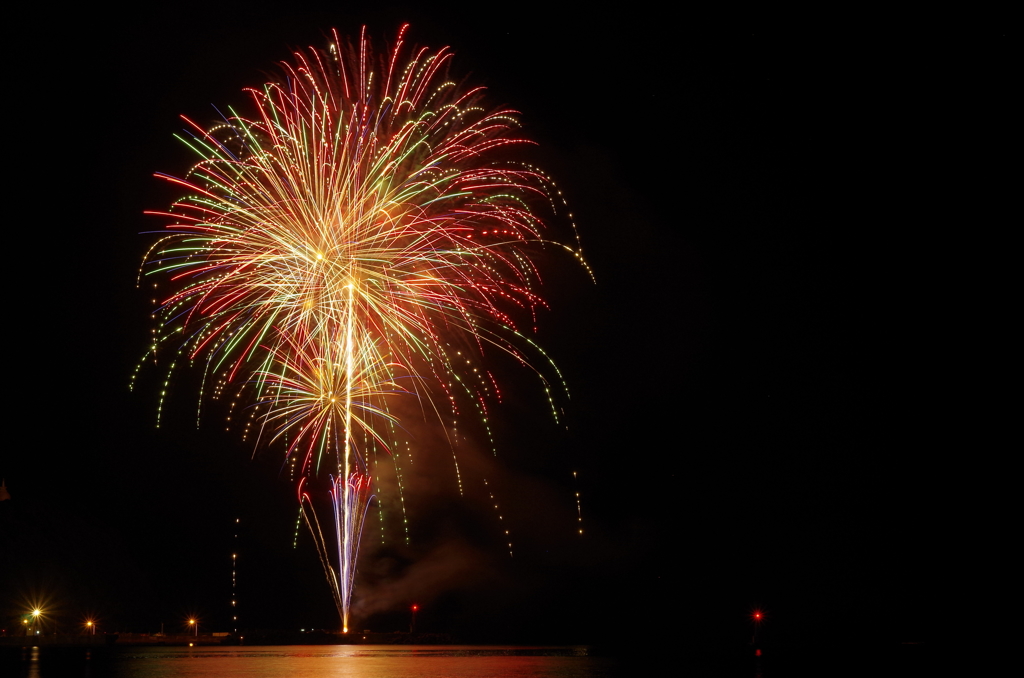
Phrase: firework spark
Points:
(358, 237)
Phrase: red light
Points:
(415, 607)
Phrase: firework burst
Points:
(355, 238)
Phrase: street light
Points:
(34, 626)
(195, 625)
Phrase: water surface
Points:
(317, 661)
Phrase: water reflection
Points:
(323, 661)
(33, 663)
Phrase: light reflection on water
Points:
(33, 666)
(328, 661)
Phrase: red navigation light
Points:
(415, 607)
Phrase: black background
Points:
(766, 377)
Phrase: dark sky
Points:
(759, 381)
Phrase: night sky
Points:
(759, 379)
